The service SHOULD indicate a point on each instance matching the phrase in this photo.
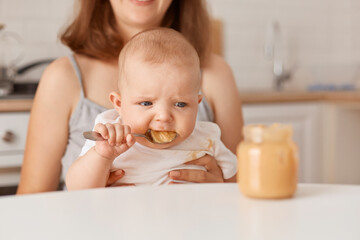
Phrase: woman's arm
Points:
(220, 90)
(57, 94)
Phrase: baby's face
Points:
(160, 97)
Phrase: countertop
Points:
(15, 105)
(247, 97)
(252, 97)
(187, 211)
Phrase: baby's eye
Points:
(180, 104)
(146, 103)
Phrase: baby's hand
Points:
(117, 137)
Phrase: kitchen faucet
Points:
(274, 50)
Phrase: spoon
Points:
(95, 136)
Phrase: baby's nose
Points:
(163, 114)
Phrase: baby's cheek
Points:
(139, 126)
(186, 129)
(185, 132)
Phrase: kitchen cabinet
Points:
(306, 120)
(341, 143)
(13, 130)
(327, 134)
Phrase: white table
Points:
(192, 211)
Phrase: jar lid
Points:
(276, 132)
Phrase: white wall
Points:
(38, 23)
(321, 37)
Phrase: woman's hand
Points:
(114, 176)
(212, 175)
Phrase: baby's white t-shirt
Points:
(144, 165)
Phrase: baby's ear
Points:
(200, 98)
(115, 99)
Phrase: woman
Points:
(73, 90)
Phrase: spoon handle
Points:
(138, 135)
(95, 136)
(92, 135)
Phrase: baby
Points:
(158, 90)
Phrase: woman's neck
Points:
(127, 32)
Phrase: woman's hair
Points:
(94, 33)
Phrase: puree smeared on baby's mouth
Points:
(163, 136)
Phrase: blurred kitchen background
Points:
(319, 39)
(298, 46)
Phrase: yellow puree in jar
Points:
(267, 162)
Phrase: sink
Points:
(22, 90)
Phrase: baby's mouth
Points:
(163, 136)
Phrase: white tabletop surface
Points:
(192, 211)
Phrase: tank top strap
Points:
(78, 73)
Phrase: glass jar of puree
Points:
(267, 162)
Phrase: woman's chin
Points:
(143, 22)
